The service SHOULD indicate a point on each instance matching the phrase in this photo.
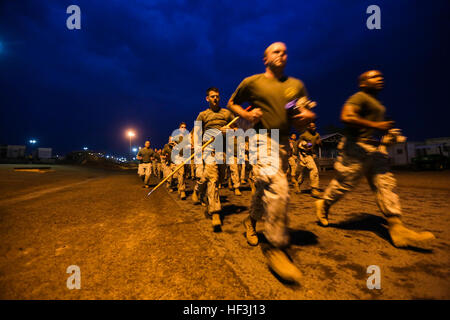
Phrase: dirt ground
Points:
(129, 246)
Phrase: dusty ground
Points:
(129, 246)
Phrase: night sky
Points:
(145, 65)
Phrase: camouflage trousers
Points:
(145, 169)
(156, 168)
(292, 170)
(235, 170)
(198, 176)
(306, 163)
(166, 169)
(246, 171)
(271, 198)
(192, 168)
(179, 175)
(213, 174)
(359, 159)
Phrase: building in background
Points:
(328, 152)
(12, 152)
(402, 154)
(42, 153)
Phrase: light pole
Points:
(131, 134)
(32, 143)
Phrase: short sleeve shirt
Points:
(367, 107)
(213, 121)
(270, 95)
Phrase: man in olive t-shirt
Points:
(213, 119)
(361, 154)
(305, 147)
(146, 156)
(269, 93)
(166, 163)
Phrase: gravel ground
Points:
(129, 246)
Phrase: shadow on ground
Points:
(375, 224)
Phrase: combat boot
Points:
(183, 195)
(237, 192)
(195, 197)
(216, 220)
(297, 187)
(404, 237)
(322, 212)
(250, 231)
(315, 193)
(282, 266)
(293, 181)
(252, 187)
(204, 200)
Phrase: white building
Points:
(14, 152)
(43, 153)
(402, 153)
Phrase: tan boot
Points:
(195, 197)
(252, 187)
(404, 237)
(281, 265)
(315, 193)
(322, 212)
(237, 192)
(216, 220)
(250, 231)
(183, 195)
(297, 187)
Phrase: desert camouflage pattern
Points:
(271, 198)
(306, 163)
(145, 169)
(358, 159)
(213, 174)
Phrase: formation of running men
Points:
(270, 94)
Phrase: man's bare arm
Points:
(253, 115)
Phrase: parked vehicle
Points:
(431, 161)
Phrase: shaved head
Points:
(275, 57)
(371, 80)
(270, 47)
(366, 75)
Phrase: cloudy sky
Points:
(146, 64)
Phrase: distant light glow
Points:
(135, 149)
(85, 148)
(32, 141)
(131, 133)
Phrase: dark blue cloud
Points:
(146, 64)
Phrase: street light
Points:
(131, 134)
